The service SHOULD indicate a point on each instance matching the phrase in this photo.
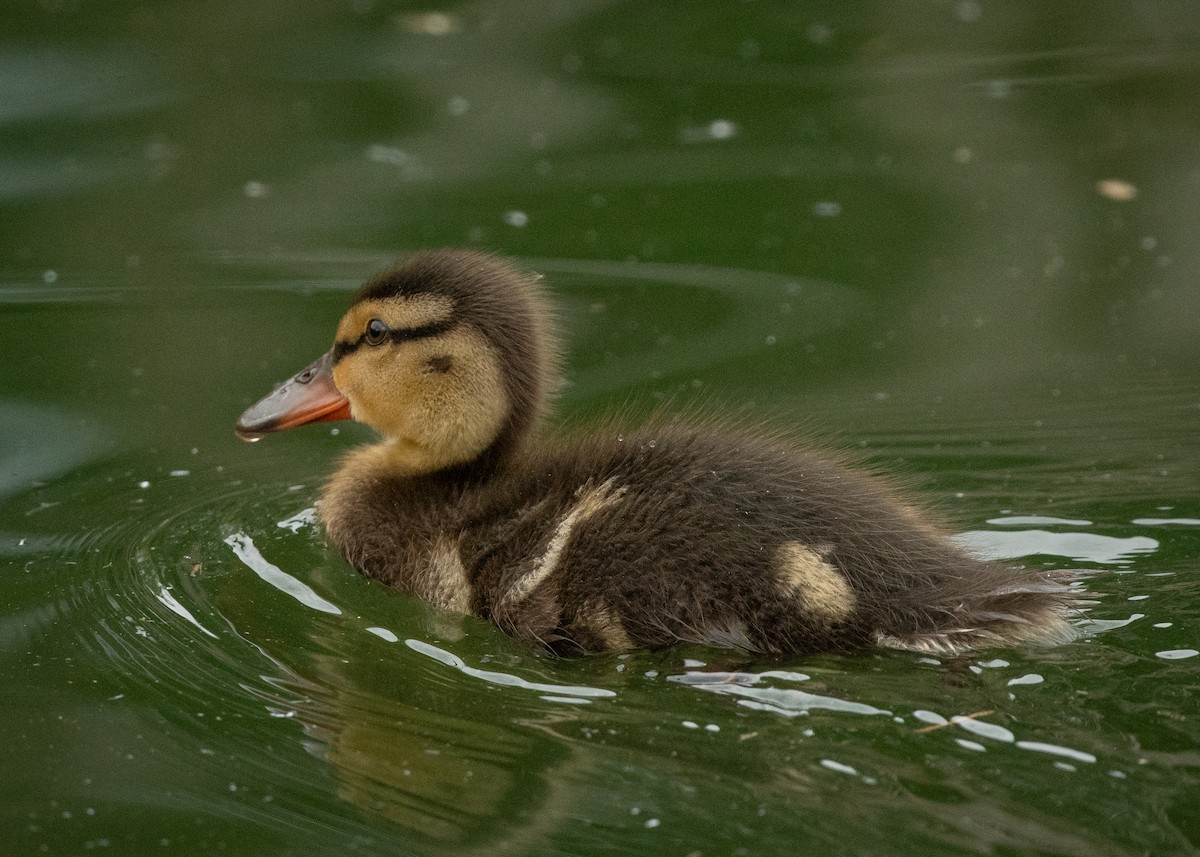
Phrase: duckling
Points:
(618, 538)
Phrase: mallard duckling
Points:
(620, 538)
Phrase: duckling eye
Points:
(377, 332)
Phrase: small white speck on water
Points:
(144, 484)
(255, 189)
(712, 727)
(652, 823)
(827, 208)
(690, 724)
(389, 155)
(983, 729)
(425, 23)
(999, 88)
(517, 219)
(968, 11)
(1118, 190)
(1028, 678)
(819, 34)
(458, 106)
(722, 129)
(838, 766)
(718, 129)
(930, 717)
(1176, 654)
(49, 277)
(181, 473)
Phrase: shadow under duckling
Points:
(619, 538)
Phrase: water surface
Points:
(956, 239)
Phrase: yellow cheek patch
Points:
(398, 313)
(821, 588)
(440, 399)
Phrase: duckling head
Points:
(449, 356)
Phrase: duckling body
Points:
(618, 538)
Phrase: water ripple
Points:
(246, 551)
(577, 692)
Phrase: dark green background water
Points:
(957, 235)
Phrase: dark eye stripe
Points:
(403, 334)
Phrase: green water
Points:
(955, 236)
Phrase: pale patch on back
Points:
(445, 584)
(591, 501)
(821, 588)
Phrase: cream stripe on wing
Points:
(447, 585)
(591, 501)
(599, 617)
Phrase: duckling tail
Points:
(1038, 610)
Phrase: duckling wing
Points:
(737, 542)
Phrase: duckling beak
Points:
(308, 397)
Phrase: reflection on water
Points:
(1083, 547)
(785, 701)
(40, 442)
(243, 546)
(178, 609)
(557, 691)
